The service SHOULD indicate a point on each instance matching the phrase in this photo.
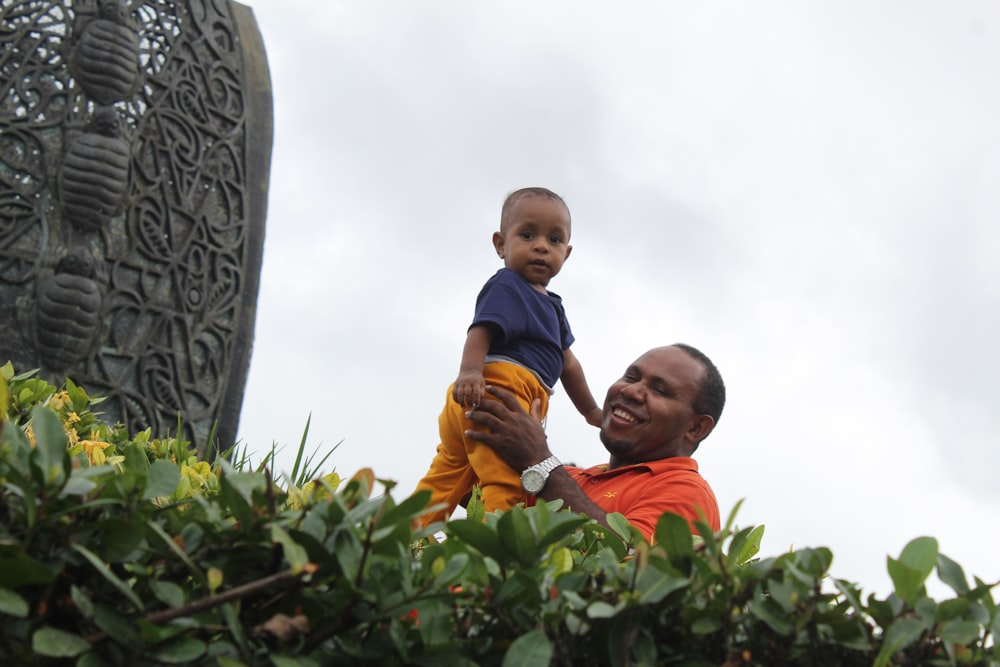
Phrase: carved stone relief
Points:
(135, 142)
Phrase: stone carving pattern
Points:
(123, 204)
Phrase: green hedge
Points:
(123, 549)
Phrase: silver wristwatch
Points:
(534, 477)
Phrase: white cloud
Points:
(805, 193)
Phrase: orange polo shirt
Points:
(644, 491)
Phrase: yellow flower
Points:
(72, 418)
(58, 400)
(94, 449)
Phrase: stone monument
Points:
(135, 148)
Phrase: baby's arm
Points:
(575, 384)
(469, 386)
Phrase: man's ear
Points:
(498, 243)
(700, 427)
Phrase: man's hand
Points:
(514, 435)
(468, 388)
(518, 438)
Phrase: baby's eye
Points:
(555, 240)
(527, 236)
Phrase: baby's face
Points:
(534, 239)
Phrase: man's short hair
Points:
(711, 396)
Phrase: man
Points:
(653, 420)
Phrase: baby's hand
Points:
(594, 417)
(469, 388)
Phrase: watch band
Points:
(548, 465)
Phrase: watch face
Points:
(532, 481)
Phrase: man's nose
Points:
(633, 392)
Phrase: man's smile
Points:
(625, 415)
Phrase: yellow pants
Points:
(460, 463)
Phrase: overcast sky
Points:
(807, 192)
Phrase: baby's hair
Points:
(518, 195)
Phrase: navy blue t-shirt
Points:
(529, 327)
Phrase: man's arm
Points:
(519, 440)
(575, 384)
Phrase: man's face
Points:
(648, 413)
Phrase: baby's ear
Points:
(569, 251)
(498, 243)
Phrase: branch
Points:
(230, 595)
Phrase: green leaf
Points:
(50, 456)
(477, 535)
(136, 458)
(951, 573)
(105, 571)
(176, 548)
(180, 651)
(13, 604)
(908, 581)
(674, 534)
(619, 524)
(532, 649)
(408, 509)
(772, 614)
(117, 625)
(294, 552)
(705, 625)
(960, 631)
(168, 593)
(453, 569)
(164, 476)
(601, 609)
(82, 601)
(235, 501)
(561, 525)
(475, 509)
(749, 548)
(22, 570)
(850, 593)
(56, 643)
(435, 621)
(121, 539)
(921, 554)
(516, 536)
(236, 629)
(349, 552)
(6, 373)
(90, 660)
(899, 635)
(785, 593)
(279, 661)
(653, 585)
(951, 609)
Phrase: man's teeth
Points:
(618, 412)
